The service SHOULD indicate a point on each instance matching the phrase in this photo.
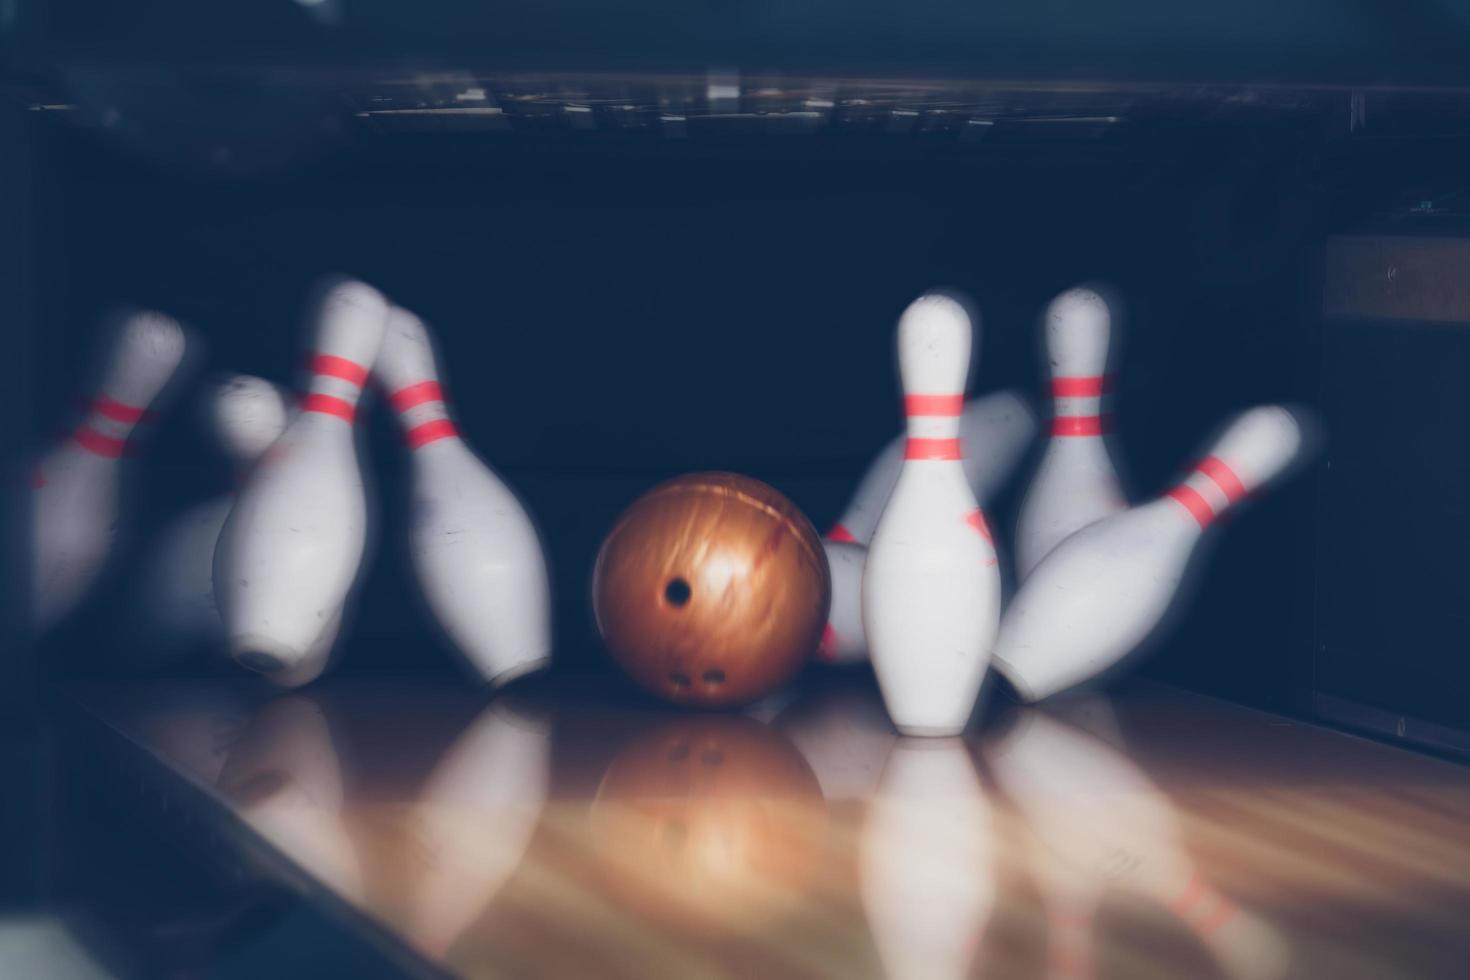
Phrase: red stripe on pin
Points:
(827, 649)
(932, 449)
(1223, 476)
(111, 408)
(976, 519)
(417, 394)
(1199, 508)
(331, 366)
(327, 405)
(841, 533)
(95, 442)
(1079, 425)
(947, 406)
(422, 435)
(1089, 387)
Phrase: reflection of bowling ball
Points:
(710, 825)
(711, 589)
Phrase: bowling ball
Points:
(710, 826)
(711, 590)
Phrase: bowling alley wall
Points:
(616, 309)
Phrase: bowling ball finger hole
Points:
(680, 681)
(677, 592)
(714, 677)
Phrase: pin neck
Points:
(1210, 489)
(334, 386)
(108, 425)
(1077, 405)
(933, 423)
(425, 416)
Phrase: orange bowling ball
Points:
(711, 589)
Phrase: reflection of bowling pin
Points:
(995, 429)
(476, 817)
(1076, 483)
(245, 415)
(843, 639)
(1103, 590)
(926, 864)
(74, 524)
(1105, 824)
(284, 778)
(292, 546)
(931, 589)
(478, 558)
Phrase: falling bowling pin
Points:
(931, 588)
(76, 486)
(292, 547)
(476, 551)
(1076, 483)
(1103, 590)
(245, 415)
(996, 430)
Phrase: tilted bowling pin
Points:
(1103, 590)
(931, 588)
(996, 430)
(292, 547)
(926, 861)
(478, 558)
(1076, 483)
(245, 415)
(76, 486)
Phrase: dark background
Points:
(616, 310)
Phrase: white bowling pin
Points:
(76, 486)
(475, 820)
(843, 639)
(1076, 483)
(926, 861)
(996, 431)
(478, 558)
(292, 547)
(931, 588)
(245, 415)
(1104, 824)
(1103, 591)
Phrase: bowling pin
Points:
(843, 639)
(292, 547)
(1103, 590)
(245, 415)
(76, 486)
(996, 431)
(475, 819)
(1103, 824)
(931, 588)
(1076, 483)
(478, 558)
(926, 861)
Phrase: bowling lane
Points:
(1147, 833)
